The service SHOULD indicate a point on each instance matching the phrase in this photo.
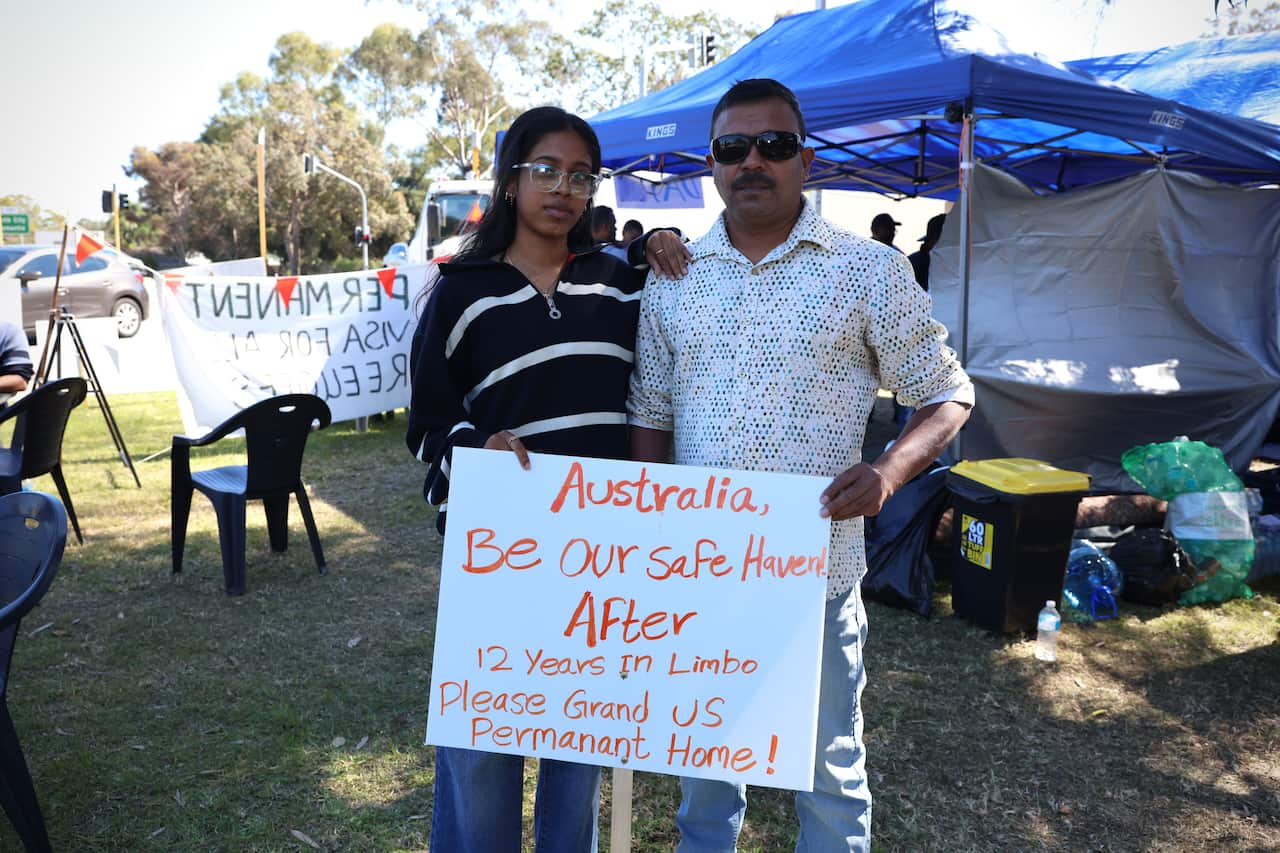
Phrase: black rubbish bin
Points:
(1014, 519)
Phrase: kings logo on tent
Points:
(1164, 119)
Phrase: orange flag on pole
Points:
(284, 286)
(87, 246)
(387, 277)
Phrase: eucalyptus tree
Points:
(302, 107)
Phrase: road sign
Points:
(16, 223)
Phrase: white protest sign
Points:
(344, 337)
(655, 617)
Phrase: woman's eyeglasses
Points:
(772, 144)
(546, 178)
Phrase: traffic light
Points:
(308, 164)
(106, 201)
(707, 48)
(124, 201)
(361, 237)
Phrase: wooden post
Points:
(262, 194)
(620, 820)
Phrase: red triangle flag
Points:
(285, 286)
(475, 214)
(87, 246)
(173, 282)
(388, 278)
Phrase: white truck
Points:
(448, 212)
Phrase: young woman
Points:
(526, 343)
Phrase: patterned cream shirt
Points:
(774, 366)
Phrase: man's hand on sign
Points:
(505, 439)
(666, 254)
(858, 491)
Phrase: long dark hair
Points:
(497, 228)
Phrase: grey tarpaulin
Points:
(1117, 315)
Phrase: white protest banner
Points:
(653, 617)
(344, 337)
(122, 365)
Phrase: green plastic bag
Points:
(1208, 513)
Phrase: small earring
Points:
(508, 197)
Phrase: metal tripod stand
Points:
(65, 320)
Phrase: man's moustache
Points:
(753, 181)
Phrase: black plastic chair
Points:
(275, 432)
(33, 532)
(40, 420)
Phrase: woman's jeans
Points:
(479, 797)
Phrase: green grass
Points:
(158, 714)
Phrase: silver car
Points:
(104, 285)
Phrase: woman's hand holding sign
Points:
(505, 439)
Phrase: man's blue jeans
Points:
(836, 816)
(479, 797)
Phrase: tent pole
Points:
(966, 194)
(817, 193)
(966, 177)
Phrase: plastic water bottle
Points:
(1091, 585)
(1047, 625)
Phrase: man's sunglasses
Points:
(772, 144)
(546, 178)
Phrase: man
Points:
(920, 260)
(604, 227)
(884, 229)
(630, 231)
(15, 361)
(920, 267)
(769, 353)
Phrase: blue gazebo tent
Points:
(883, 85)
(1233, 75)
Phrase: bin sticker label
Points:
(975, 544)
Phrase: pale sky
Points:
(97, 78)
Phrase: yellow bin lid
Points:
(1022, 476)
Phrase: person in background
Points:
(920, 268)
(920, 259)
(604, 225)
(884, 228)
(525, 344)
(630, 231)
(604, 229)
(16, 368)
(831, 318)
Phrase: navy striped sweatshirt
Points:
(487, 356)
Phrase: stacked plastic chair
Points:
(33, 532)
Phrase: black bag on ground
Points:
(1268, 485)
(1155, 569)
(899, 571)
